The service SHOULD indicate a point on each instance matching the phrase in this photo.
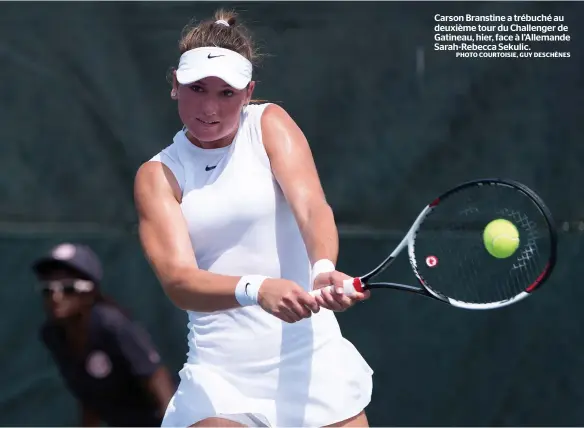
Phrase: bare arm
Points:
(295, 171)
(294, 168)
(164, 237)
(167, 246)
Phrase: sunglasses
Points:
(66, 286)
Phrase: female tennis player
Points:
(107, 361)
(235, 224)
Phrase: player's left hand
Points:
(335, 299)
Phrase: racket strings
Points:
(466, 277)
(462, 268)
(528, 250)
(476, 294)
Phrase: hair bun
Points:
(227, 16)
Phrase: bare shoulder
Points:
(151, 172)
(153, 177)
(162, 228)
(275, 115)
(281, 135)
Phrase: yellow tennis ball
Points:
(501, 238)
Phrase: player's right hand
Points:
(286, 300)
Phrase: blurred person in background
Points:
(234, 221)
(107, 361)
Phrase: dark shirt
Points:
(110, 374)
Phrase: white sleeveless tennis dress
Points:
(245, 364)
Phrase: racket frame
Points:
(364, 282)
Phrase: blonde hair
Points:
(235, 37)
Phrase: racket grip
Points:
(348, 288)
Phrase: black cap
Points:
(77, 257)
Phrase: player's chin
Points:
(206, 134)
(209, 131)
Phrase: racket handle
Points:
(348, 288)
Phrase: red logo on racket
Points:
(431, 261)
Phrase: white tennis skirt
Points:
(328, 385)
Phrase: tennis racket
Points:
(448, 255)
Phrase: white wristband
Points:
(247, 289)
(321, 266)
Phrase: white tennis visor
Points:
(225, 64)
